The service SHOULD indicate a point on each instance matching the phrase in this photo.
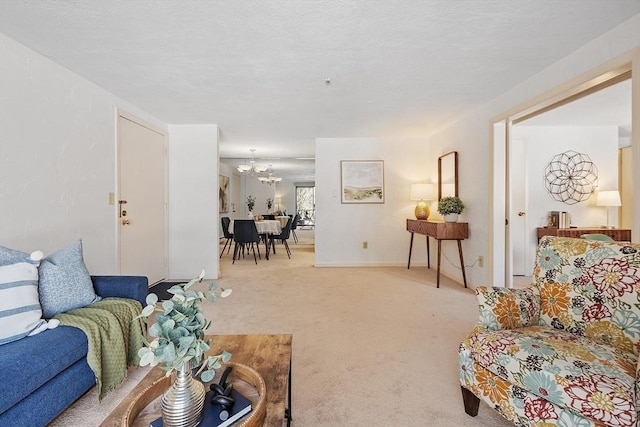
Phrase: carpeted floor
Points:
(371, 346)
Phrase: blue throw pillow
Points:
(64, 283)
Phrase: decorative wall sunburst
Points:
(571, 177)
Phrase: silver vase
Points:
(182, 403)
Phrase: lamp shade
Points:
(421, 191)
(609, 198)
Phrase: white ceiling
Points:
(258, 69)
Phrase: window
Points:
(306, 205)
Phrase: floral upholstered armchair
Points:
(564, 351)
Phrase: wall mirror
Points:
(448, 175)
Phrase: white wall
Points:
(193, 201)
(57, 157)
(341, 228)
(287, 192)
(470, 135)
(252, 187)
(541, 143)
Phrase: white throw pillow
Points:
(20, 310)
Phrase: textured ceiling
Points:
(258, 69)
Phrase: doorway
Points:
(502, 142)
(141, 202)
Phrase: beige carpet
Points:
(371, 346)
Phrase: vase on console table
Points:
(182, 403)
(452, 217)
(250, 215)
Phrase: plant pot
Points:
(182, 403)
(452, 217)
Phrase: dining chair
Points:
(283, 236)
(225, 220)
(269, 216)
(245, 234)
(294, 225)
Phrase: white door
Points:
(141, 199)
(517, 217)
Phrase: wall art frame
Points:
(362, 181)
(223, 194)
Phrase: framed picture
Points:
(362, 181)
(223, 194)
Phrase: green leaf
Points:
(226, 292)
(167, 306)
(169, 324)
(186, 341)
(152, 299)
(148, 359)
(226, 356)
(147, 311)
(155, 330)
(207, 375)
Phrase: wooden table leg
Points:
(464, 276)
(428, 253)
(410, 249)
(439, 253)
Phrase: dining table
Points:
(265, 228)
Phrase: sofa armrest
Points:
(133, 287)
(502, 308)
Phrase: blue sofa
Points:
(43, 374)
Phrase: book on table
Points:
(211, 411)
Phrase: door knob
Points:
(521, 213)
(126, 222)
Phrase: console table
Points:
(617, 234)
(440, 231)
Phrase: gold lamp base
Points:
(422, 210)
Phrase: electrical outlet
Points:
(480, 261)
(365, 245)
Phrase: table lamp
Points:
(610, 198)
(422, 192)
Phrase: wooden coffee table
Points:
(270, 355)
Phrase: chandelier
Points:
(251, 168)
(269, 179)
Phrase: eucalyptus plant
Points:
(178, 331)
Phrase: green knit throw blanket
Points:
(114, 334)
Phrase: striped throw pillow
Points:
(20, 311)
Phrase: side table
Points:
(440, 231)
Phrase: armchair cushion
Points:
(590, 289)
(502, 308)
(568, 370)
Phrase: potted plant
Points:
(251, 202)
(178, 344)
(450, 207)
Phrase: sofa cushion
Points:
(502, 308)
(20, 311)
(571, 371)
(33, 361)
(64, 283)
(590, 289)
